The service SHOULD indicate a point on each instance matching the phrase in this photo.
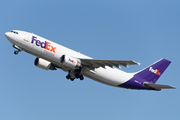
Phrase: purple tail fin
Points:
(152, 73)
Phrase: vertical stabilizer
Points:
(152, 73)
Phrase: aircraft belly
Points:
(110, 76)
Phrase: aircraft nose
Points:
(7, 35)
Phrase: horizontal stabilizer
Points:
(157, 86)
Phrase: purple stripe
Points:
(152, 73)
(136, 83)
(149, 75)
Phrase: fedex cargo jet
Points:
(51, 56)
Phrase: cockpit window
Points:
(14, 32)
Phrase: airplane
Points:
(52, 56)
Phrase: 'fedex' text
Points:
(155, 71)
(46, 45)
(72, 61)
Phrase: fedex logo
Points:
(46, 45)
(155, 71)
(72, 61)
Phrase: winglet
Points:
(139, 63)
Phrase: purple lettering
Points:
(33, 39)
(46, 45)
(38, 43)
(43, 44)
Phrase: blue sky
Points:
(143, 31)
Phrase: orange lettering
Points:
(53, 49)
(47, 45)
(158, 73)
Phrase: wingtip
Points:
(137, 63)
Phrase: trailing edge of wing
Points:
(94, 63)
(157, 86)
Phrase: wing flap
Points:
(157, 86)
(102, 63)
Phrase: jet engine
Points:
(44, 64)
(70, 62)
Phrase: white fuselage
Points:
(34, 44)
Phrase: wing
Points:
(94, 63)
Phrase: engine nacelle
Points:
(70, 62)
(44, 64)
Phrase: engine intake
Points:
(70, 62)
(44, 64)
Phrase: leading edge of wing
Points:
(96, 63)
